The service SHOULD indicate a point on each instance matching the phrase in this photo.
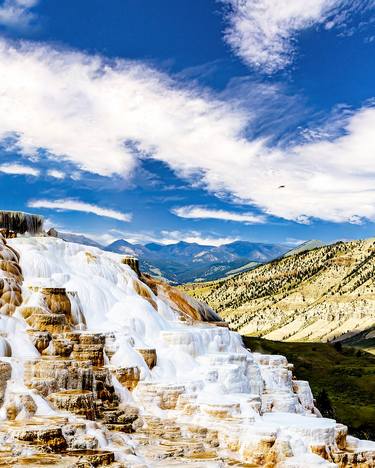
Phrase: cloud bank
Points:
(104, 117)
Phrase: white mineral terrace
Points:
(233, 404)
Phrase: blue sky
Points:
(193, 120)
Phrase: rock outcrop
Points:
(17, 222)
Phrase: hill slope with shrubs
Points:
(324, 294)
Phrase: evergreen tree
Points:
(338, 346)
(324, 405)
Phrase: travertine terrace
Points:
(103, 366)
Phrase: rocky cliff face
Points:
(101, 366)
(324, 294)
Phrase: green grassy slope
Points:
(348, 376)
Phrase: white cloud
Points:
(50, 223)
(132, 237)
(56, 174)
(198, 212)
(103, 239)
(81, 109)
(166, 237)
(75, 205)
(262, 32)
(16, 14)
(19, 169)
(101, 117)
(171, 237)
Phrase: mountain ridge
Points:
(184, 261)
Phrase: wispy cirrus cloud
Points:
(105, 118)
(199, 212)
(76, 205)
(262, 32)
(17, 14)
(19, 169)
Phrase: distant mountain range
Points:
(183, 262)
(186, 262)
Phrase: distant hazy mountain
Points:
(124, 247)
(184, 262)
(78, 239)
(255, 251)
